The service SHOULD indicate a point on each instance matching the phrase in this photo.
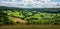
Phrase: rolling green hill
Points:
(32, 15)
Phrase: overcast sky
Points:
(31, 3)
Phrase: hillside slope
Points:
(17, 20)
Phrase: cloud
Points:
(30, 3)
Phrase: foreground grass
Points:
(30, 27)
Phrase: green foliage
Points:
(36, 17)
(33, 16)
(4, 19)
(15, 14)
(1, 23)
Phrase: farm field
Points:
(30, 27)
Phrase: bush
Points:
(1, 23)
(29, 23)
(10, 22)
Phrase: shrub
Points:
(1, 23)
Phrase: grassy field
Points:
(30, 27)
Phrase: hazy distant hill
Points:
(48, 10)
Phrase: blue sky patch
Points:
(55, 0)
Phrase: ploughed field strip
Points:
(30, 27)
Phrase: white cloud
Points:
(30, 3)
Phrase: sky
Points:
(31, 3)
